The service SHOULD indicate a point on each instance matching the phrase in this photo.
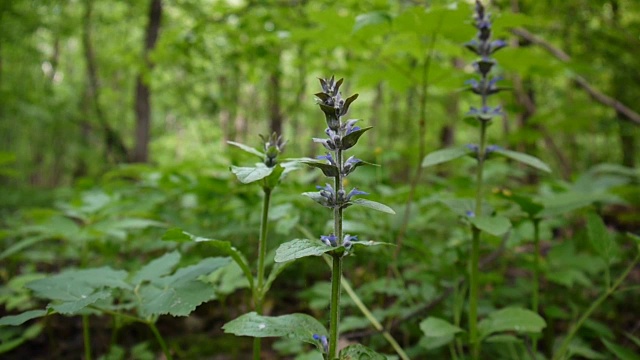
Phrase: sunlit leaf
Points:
(247, 175)
(373, 205)
(299, 248)
(511, 319)
(435, 327)
(372, 18)
(297, 326)
(524, 159)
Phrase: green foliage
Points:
(296, 326)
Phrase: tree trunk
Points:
(143, 93)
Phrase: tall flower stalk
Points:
(485, 86)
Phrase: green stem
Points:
(574, 329)
(334, 333)
(536, 277)
(372, 319)
(86, 336)
(258, 294)
(163, 345)
(475, 249)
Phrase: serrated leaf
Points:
(299, 248)
(511, 319)
(247, 175)
(524, 159)
(74, 285)
(494, 225)
(435, 327)
(15, 320)
(359, 352)
(157, 268)
(81, 302)
(248, 149)
(352, 139)
(296, 326)
(225, 248)
(373, 205)
(445, 155)
(599, 237)
(179, 294)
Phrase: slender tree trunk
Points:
(143, 92)
(114, 146)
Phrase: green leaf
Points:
(511, 319)
(359, 352)
(179, 294)
(12, 339)
(247, 175)
(528, 204)
(225, 248)
(445, 155)
(248, 149)
(599, 237)
(373, 205)
(157, 268)
(435, 327)
(300, 248)
(327, 169)
(76, 285)
(81, 302)
(273, 179)
(494, 225)
(296, 326)
(372, 18)
(315, 196)
(524, 158)
(352, 139)
(15, 320)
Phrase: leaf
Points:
(445, 155)
(225, 248)
(435, 327)
(352, 139)
(81, 302)
(599, 237)
(359, 352)
(524, 159)
(272, 180)
(247, 175)
(74, 285)
(372, 18)
(296, 326)
(248, 149)
(494, 225)
(15, 320)
(620, 352)
(179, 294)
(373, 205)
(299, 248)
(156, 268)
(315, 196)
(511, 319)
(12, 340)
(327, 169)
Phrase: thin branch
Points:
(626, 112)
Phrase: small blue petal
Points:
(470, 213)
(316, 337)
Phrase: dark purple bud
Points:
(327, 143)
(470, 213)
(330, 240)
(497, 45)
(484, 66)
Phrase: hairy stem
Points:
(86, 337)
(475, 248)
(336, 269)
(258, 294)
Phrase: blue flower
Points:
(349, 126)
(354, 192)
(323, 341)
(485, 113)
(327, 157)
(348, 240)
(470, 213)
(328, 193)
(329, 240)
(327, 143)
(350, 165)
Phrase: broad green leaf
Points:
(300, 248)
(352, 139)
(225, 247)
(297, 326)
(359, 352)
(435, 327)
(621, 353)
(558, 204)
(511, 319)
(81, 302)
(372, 18)
(599, 237)
(15, 320)
(445, 155)
(22, 244)
(157, 268)
(75, 285)
(248, 149)
(247, 175)
(524, 158)
(494, 225)
(179, 294)
(528, 204)
(272, 180)
(373, 205)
